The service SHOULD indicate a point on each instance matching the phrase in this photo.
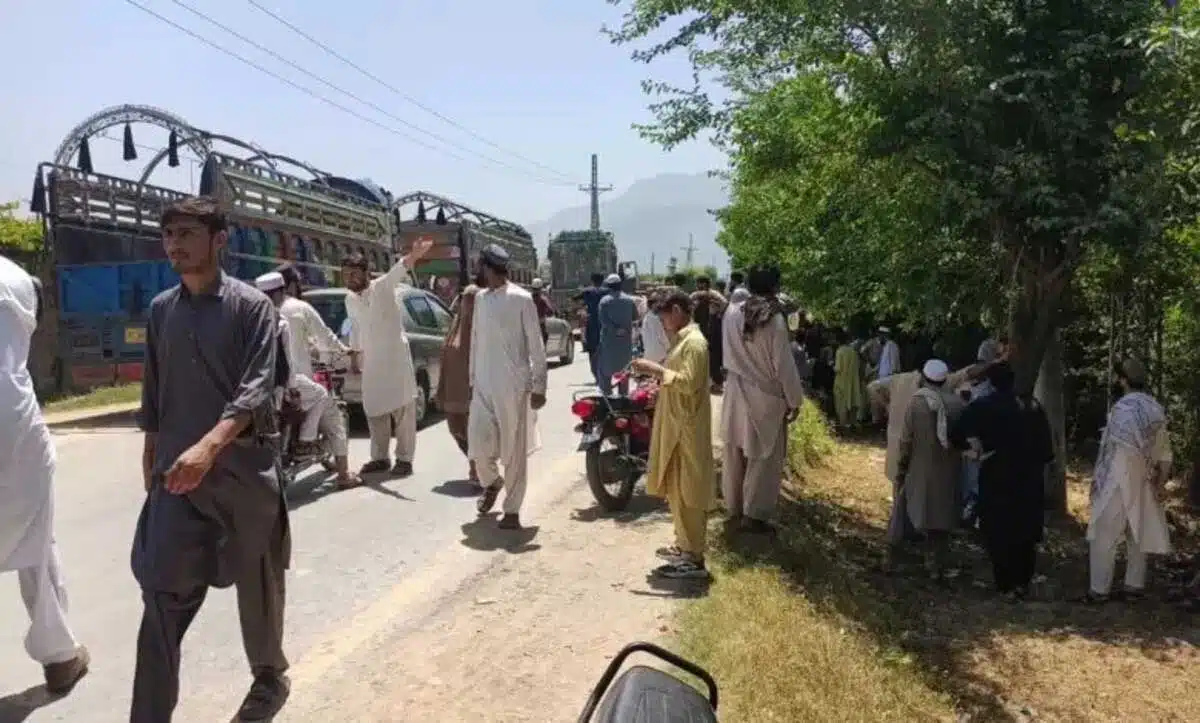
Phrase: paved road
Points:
(355, 554)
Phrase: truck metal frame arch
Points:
(456, 211)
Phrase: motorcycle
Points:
(615, 439)
(292, 460)
(648, 695)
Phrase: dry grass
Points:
(809, 628)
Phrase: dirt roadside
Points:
(525, 640)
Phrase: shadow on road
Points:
(311, 488)
(640, 505)
(17, 707)
(662, 587)
(482, 534)
(458, 488)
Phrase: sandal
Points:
(351, 483)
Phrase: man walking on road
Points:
(508, 384)
(214, 514)
(308, 331)
(763, 393)
(27, 460)
(389, 382)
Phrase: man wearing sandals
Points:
(1132, 465)
(681, 456)
(308, 331)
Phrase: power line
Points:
(431, 111)
(352, 96)
(303, 89)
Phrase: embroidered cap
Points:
(268, 282)
(935, 370)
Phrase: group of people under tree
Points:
(215, 514)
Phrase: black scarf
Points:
(758, 312)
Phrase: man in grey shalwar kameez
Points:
(617, 312)
(763, 392)
(929, 466)
(214, 515)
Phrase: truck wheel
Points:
(423, 397)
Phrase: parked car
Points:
(426, 320)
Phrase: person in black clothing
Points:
(1011, 437)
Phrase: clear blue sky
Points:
(533, 76)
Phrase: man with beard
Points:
(508, 384)
(1131, 467)
(389, 382)
(27, 492)
(214, 514)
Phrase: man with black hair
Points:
(708, 308)
(763, 394)
(736, 280)
(681, 456)
(27, 490)
(591, 298)
(214, 513)
(389, 380)
(1009, 437)
(507, 370)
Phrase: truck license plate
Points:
(135, 335)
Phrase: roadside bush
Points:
(810, 440)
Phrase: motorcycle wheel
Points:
(600, 470)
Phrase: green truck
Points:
(574, 256)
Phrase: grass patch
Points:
(102, 397)
(807, 628)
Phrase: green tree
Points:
(989, 145)
(22, 234)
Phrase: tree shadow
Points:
(484, 535)
(458, 488)
(832, 553)
(641, 506)
(17, 707)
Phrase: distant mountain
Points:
(653, 217)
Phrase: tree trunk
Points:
(1033, 323)
(1049, 391)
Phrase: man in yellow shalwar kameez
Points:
(681, 456)
(849, 390)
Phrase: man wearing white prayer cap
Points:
(310, 397)
(929, 466)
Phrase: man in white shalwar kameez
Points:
(1133, 463)
(389, 381)
(508, 385)
(889, 355)
(763, 393)
(311, 398)
(27, 460)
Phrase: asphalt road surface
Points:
(357, 556)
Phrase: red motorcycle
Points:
(291, 461)
(615, 439)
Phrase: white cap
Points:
(537, 283)
(935, 370)
(270, 281)
(612, 279)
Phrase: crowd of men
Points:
(215, 514)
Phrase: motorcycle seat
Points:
(643, 694)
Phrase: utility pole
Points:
(690, 253)
(594, 189)
(652, 263)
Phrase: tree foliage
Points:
(21, 234)
(926, 161)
